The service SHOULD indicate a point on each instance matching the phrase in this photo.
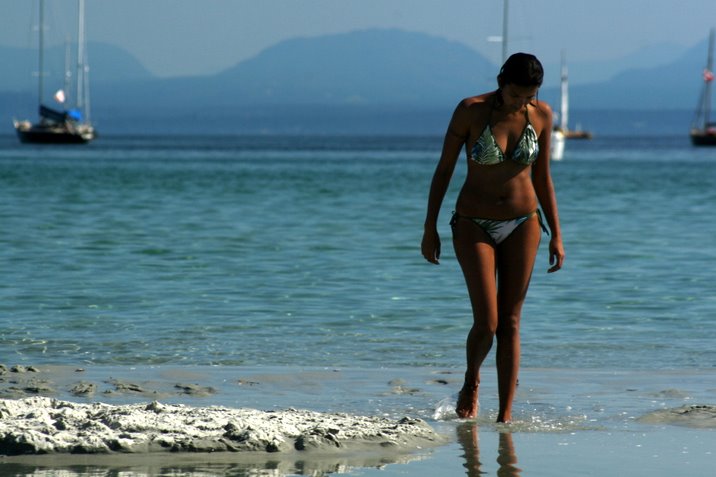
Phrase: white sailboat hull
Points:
(557, 145)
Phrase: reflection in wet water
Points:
(239, 470)
(469, 439)
(507, 457)
(198, 465)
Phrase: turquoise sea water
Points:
(290, 252)
(252, 250)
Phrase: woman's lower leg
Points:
(479, 342)
(508, 365)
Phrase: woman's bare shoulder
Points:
(476, 102)
(542, 110)
(467, 113)
(474, 106)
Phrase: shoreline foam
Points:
(41, 425)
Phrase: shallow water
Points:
(567, 422)
(246, 250)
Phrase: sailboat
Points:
(703, 131)
(69, 125)
(558, 137)
(560, 131)
(564, 107)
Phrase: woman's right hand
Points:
(430, 246)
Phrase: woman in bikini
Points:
(496, 224)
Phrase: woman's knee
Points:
(487, 330)
(508, 326)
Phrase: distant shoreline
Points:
(296, 120)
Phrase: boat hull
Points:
(703, 138)
(578, 135)
(556, 152)
(56, 134)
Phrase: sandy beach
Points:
(40, 430)
(319, 421)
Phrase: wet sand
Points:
(58, 417)
(568, 422)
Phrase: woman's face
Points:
(515, 97)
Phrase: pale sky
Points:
(192, 37)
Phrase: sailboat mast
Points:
(564, 104)
(41, 55)
(80, 55)
(707, 90)
(82, 65)
(85, 65)
(505, 16)
(68, 72)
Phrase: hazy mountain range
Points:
(371, 70)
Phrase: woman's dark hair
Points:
(521, 69)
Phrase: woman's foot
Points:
(467, 404)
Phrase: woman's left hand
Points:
(556, 255)
(430, 246)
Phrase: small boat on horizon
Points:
(563, 125)
(703, 130)
(66, 126)
(561, 132)
(577, 134)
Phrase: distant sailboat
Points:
(564, 107)
(556, 145)
(558, 137)
(68, 126)
(703, 131)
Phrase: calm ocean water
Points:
(293, 263)
(305, 251)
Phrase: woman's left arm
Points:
(544, 188)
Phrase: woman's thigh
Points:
(476, 255)
(515, 262)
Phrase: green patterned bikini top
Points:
(487, 152)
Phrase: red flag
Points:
(708, 76)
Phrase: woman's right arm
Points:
(455, 137)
